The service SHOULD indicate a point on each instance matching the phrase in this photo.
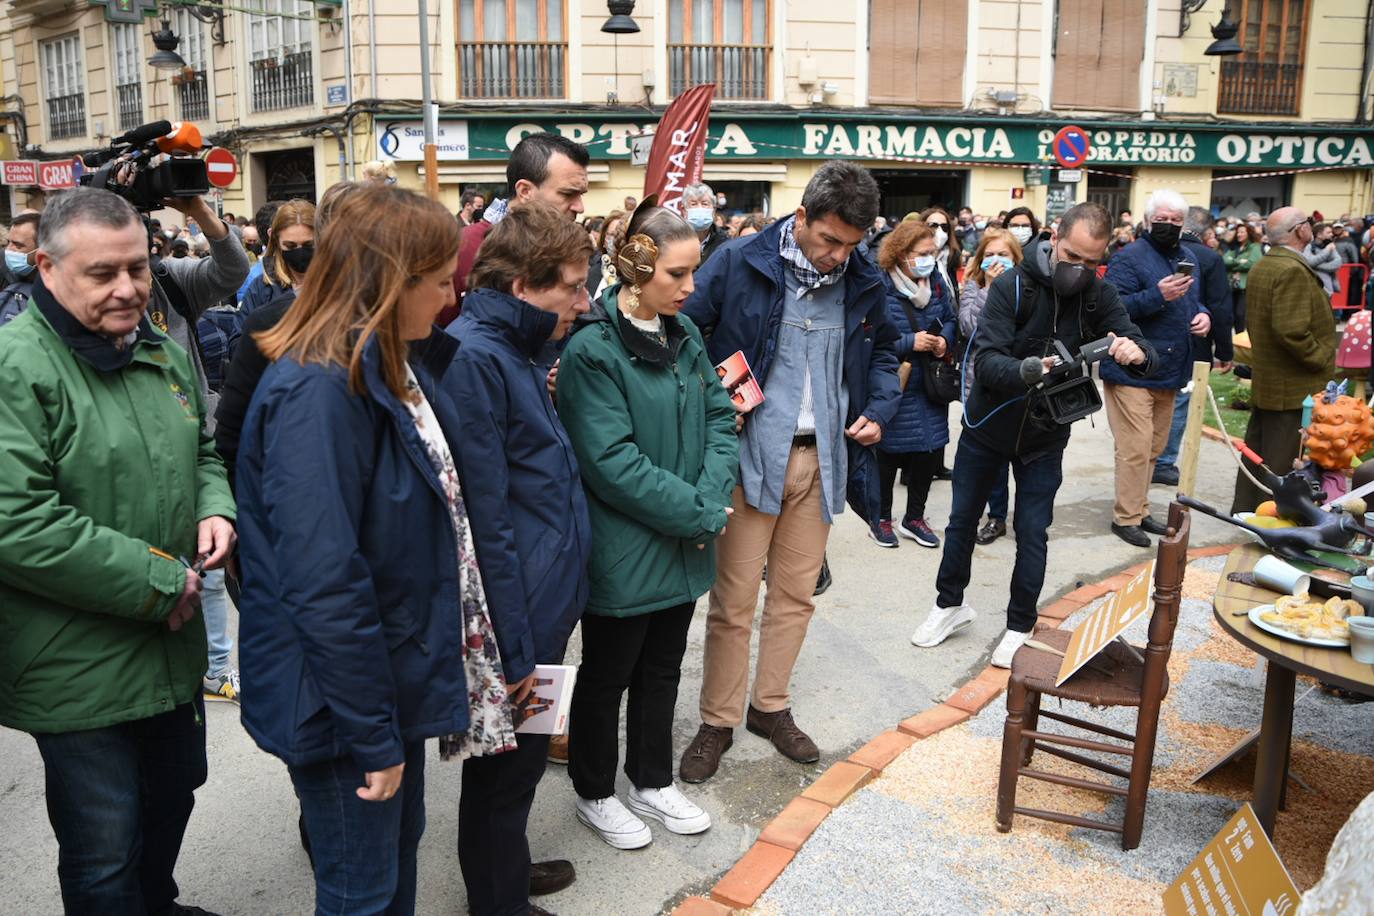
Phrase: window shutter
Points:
(1098, 52)
(916, 51)
(943, 47)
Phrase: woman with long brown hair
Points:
(364, 626)
(290, 246)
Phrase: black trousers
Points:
(642, 654)
(1238, 309)
(920, 470)
(1277, 436)
(492, 813)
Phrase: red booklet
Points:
(739, 380)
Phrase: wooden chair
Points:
(1115, 678)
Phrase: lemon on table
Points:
(1268, 508)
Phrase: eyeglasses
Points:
(937, 225)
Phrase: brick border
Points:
(780, 841)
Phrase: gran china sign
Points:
(951, 140)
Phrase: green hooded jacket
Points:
(105, 472)
(654, 433)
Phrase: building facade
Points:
(948, 101)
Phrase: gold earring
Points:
(630, 300)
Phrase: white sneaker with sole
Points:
(942, 623)
(671, 808)
(613, 822)
(1006, 649)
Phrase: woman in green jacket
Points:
(654, 433)
(1244, 253)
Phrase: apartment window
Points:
(916, 52)
(512, 49)
(126, 48)
(280, 67)
(66, 90)
(1098, 49)
(192, 84)
(1267, 78)
(725, 42)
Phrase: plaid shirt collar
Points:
(808, 276)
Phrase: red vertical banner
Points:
(679, 152)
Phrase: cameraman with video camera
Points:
(1043, 322)
(140, 167)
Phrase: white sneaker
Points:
(1006, 649)
(671, 808)
(942, 623)
(613, 822)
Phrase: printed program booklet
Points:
(546, 710)
(739, 380)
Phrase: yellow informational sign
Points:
(1108, 622)
(1238, 872)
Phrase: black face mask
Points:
(478, 213)
(1165, 235)
(298, 259)
(1071, 279)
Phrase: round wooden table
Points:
(1287, 659)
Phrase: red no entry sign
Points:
(1071, 147)
(221, 167)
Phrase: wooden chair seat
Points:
(1115, 677)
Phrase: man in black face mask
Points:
(1165, 300)
(1053, 295)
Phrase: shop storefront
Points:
(766, 158)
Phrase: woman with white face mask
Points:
(920, 306)
(1024, 227)
(947, 255)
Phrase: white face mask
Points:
(1022, 234)
(980, 225)
(922, 265)
(941, 236)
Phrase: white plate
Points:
(1293, 637)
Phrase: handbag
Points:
(939, 375)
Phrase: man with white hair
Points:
(699, 209)
(1162, 299)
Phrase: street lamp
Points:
(1225, 34)
(166, 58)
(620, 22)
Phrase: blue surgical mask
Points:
(994, 259)
(922, 266)
(700, 217)
(18, 263)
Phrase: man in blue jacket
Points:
(810, 315)
(1164, 302)
(1214, 348)
(526, 504)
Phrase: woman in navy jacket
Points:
(921, 309)
(355, 571)
(525, 497)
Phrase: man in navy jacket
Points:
(810, 314)
(1166, 305)
(527, 508)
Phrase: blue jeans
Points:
(975, 474)
(119, 799)
(364, 851)
(214, 603)
(1169, 457)
(1000, 498)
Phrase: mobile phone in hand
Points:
(1185, 268)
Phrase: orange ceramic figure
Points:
(1342, 429)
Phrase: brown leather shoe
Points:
(702, 757)
(779, 728)
(550, 877)
(558, 749)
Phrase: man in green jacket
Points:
(112, 500)
(1292, 344)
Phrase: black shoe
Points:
(1131, 534)
(536, 910)
(177, 909)
(550, 877)
(1166, 474)
(1150, 526)
(944, 473)
(824, 580)
(994, 529)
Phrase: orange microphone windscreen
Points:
(184, 138)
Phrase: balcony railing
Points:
(739, 71)
(193, 95)
(130, 100)
(1254, 87)
(512, 70)
(287, 82)
(67, 116)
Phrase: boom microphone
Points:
(145, 133)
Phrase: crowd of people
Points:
(418, 449)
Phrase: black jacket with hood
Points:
(1023, 317)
